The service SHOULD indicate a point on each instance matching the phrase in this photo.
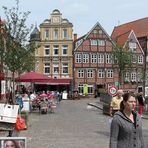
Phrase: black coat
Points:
(140, 100)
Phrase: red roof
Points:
(140, 28)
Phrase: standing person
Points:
(140, 103)
(115, 102)
(126, 126)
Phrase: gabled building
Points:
(132, 78)
(93, 68)
(140, 29)
(54, 56)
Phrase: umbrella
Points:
(31, 77)
(43, 95)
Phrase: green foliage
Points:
(18, 53)
(122, 58)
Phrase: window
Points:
(101, 73)
(89, 73)
(101, 42)
(65, 68)
(90, 89)
(109, 73)
(56, 34)
(108, 58)
(46, 34)
(127, 77)
(46, 68)
(64, 49)
(100, 58)
(134, 58)
(140, 59)
(37, 65)
(47, 50)
(80, 88)
(56, 68)
(132, 45)
(85, 58)
(56, 50)
(64, 33)
(94, 58)
(93, 42)
(78, 58)
(81, 73)
(133, 76)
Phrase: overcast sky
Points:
(83, 14)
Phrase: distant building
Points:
(54, 55)
(93, 68)
(139, 30)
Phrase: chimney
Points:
(75, 37)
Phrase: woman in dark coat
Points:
(126, 126)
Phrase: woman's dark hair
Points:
(126, 96)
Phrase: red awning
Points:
(31, 77)
(38, 78)
(55, 81)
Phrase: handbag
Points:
(20, 124)
(8, 113)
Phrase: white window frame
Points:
(100, 58)
(90, 88)
(46, 50)
(133, 76)
(94, 58)
(94, 42)
(101, 42)
(89, 73)
(56, 49)
(108, 58)
(65, 33)
(56, 69)
(64, 65)
(81, 73)
(46, 33)
(81, 88)
(78, 58)
(140, 59)
(46, 68)
(109, 73)
(85, 58)
(101, 73)
(65, 47)
(127, 77)
(56, 34)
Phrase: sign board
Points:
(112, 90)
(117, 83)
(3, 87)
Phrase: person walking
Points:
(140, 103)
(115, 102)
(126, 126)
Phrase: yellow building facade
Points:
(54, 55)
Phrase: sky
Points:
(83, 14)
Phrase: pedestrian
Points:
(140, 103)
(126, 126)
(115, 102)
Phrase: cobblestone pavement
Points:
(71, 126)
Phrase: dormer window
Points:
(132, 46)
